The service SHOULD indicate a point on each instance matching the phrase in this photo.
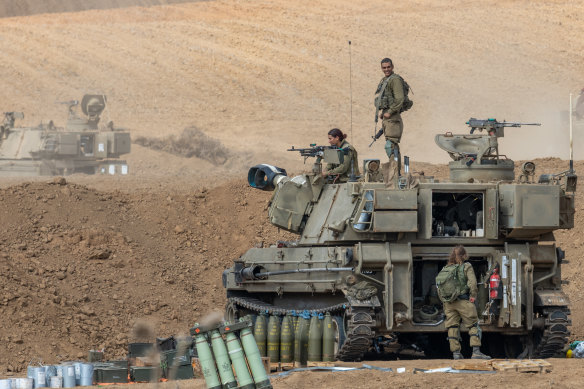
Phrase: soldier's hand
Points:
(386, 115)
(472, 300)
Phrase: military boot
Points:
(457, 355)
(477, 354)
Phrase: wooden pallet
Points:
(473, 364)
(522, 365)
(321, 364)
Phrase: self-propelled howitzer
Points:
(369, 253)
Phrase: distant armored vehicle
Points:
(369, 252)
(81, 147)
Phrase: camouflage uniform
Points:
(392, 103)
(463, 309)
(343, 170)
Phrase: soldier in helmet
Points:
(463, 308)
(389, 104)
(342, 172)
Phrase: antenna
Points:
(351, 89)
(571, 140)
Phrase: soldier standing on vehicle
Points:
(349, 166)
(390, 101)
(461, 305)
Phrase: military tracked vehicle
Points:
(82, 146)
(369, 252)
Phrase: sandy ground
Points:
(83, 261)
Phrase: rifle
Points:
(494, 125)
(381, 91)
(377, 136)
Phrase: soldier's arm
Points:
(471, 280)
(398, 95)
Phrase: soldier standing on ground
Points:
(350, 161)
(389, 103)
(463, 307)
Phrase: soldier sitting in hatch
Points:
(342, 172)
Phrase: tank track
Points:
(359, 322)
(555, 332)
(360, 332)
(260, 306)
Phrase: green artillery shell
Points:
(315, 339)
(254, 359)
(260, 334)
(238, 361)
(222, 360)
(301, 339)
(328, 339)
(286, 340)
(274, 338)
(206, 361)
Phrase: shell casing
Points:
(222, 360)
(287, 340)
(238, 360)
(273, 340)
(328, 339)
(315, 339)
(254, 359)
(207, 362)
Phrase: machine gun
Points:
(312, 151)
(494, 127)
(330, 154)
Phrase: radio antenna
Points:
(351, 90)
(571, 136)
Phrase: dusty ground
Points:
(83, 261)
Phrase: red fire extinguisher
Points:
(494, 282)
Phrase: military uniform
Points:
(390, 100)
(463, 309)
(343, 170)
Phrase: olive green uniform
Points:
(343, 170)
(392, 100)
(463, 309)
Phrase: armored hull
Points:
(80, 147)
(369, 253)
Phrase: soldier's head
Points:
(336, 137)
(458, 255)
(386, 66)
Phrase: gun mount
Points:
(82, 146)
(476, 156)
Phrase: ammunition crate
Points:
(139, 349)
(171, 358)
(144, 373)
(183, 372)
(109, 375)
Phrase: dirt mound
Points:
(192, 142)
(79, 267)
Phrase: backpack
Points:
(451, 282)
(407, 102)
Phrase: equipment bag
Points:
(451, 282)
(407, 102)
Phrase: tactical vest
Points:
(383, 100)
